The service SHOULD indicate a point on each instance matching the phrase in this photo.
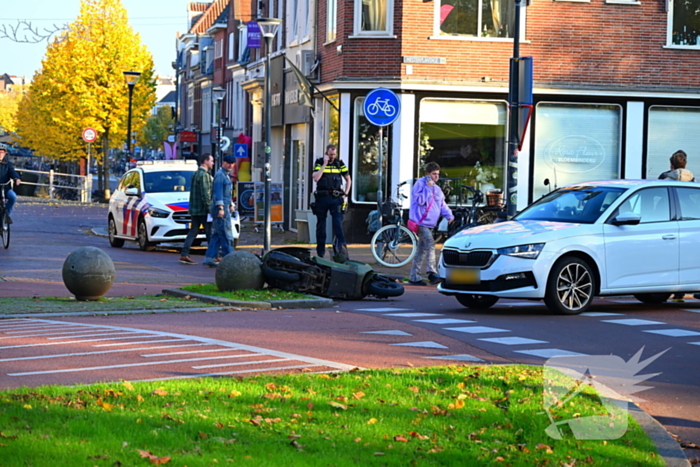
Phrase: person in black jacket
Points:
(7, 173)
(329, 173)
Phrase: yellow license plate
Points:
(463, 276)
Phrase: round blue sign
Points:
(381, 107)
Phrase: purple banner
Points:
(254, 35)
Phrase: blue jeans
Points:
(10, 203)
(324, 205)
(221, 238)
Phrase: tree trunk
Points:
(105, 166)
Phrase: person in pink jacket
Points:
(427, 205)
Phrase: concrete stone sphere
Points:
(88, 273)
(239, 270)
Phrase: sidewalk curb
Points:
(317, 302)
(668, 448)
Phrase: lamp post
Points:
(218, 93)
(268, 29)
(132, 77)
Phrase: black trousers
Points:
(325, 205)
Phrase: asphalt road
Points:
(421, 327)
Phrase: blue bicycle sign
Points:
(381, 107)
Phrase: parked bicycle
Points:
(469, 216)
(393, 245)
(4, 217)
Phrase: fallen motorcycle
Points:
(295, 269)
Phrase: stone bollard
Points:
(88, 273)
(239, 270)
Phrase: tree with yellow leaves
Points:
(81, 84)
(9, 102)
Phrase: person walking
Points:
(329, 173)
(678, 161)
(221, 210)
(7, 173)
(427, 205)
(200, 204)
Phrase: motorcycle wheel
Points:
(384, 288)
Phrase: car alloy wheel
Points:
(570, 287)
(144, 244)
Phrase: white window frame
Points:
(231, 45)
(357, 22)
(437, 35)
(242, 40)
(331, 20)
(219, 48)
(669, 31)
(293, 22)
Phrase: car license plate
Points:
(464, 276)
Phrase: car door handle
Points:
(669, 237)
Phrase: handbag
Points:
(413, 226)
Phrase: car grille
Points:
(477, 259)
(182, 217)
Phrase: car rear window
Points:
(167, 181)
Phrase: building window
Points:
(374, 17)
(671, 129)
(331, 20)
(365, 167)
(219, 48)
(467, 139)
(231, 46)
(684, 19)
(476, 18)
(575, 143)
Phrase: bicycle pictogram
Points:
(383, 105)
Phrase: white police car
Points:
(150, 205)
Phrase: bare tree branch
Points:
(25, 32)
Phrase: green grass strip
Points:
(449, 416)
(264, 295)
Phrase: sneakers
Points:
(422, 283)
(187, 260)
(211, 264)
(434, 278)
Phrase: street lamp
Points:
(132, 77)
(218, 93)
(268, 28)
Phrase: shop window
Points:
(476, 18)
(575, 143)
(467, 139)
(684, 21)
(374, 17)
(671, 129)
(365, 167)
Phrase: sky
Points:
(157, 21)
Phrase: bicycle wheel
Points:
(393, 246)
(5, 227)
(487, 217)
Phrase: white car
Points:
(150, 205)
(619, 237)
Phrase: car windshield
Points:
(578, 204)
(167, 181)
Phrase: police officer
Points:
(329, 172)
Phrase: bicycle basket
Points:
(494, 198)
(388, 208)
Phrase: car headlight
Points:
(531, 251)
(155, 212)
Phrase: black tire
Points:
(384, 288)
(652, 298)
(276, 275)
(235, 243)
(142, 238)
(570, 287)
(112, 231)
(5, 221)
(481, 302)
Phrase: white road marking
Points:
(692, 310)
(394, 332)
(673, 332)
(512, 340)
(201, 367)
(412, 315)
(109, 332)
(594, 314)
(382, 310)
(29, 327)
(114, 344)
(426, 344)
(694, 343)
(444, 321)
(518, 304)
(477, 329)
(184, 352)
(99, 352)
(549, 353)
(632, 322)
(460, 357)
(76, 333)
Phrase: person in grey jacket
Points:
(679, 160)
(222, 207)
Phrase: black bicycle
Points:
(4, 217)
(470, 216)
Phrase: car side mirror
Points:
(131, 191)
(627, 218)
